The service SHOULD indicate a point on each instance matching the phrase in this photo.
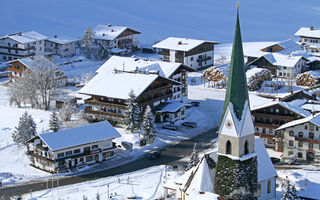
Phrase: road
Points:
(170, 155)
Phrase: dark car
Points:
(190, 124)
(274, 160)
(154, 155)
(170, 127)
(195, 103)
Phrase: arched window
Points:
(269, 186)
(246, 147)
(228, 147)
(291, 133)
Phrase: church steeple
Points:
(237, 92)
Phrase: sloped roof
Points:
(165, 69)
(62, 39)
(306, 32)
(171, 106)
(118, 84)
(80, 135)
(30, 61)
(282, 60)
(186, 43)
(313, 119)
(27, 37)
(106, 32)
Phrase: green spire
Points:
(237, 92)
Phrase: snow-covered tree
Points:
(147, 126)
(132, 114)
(54, 123)
(86, 77)
(66, 111)
(221, 60)
(289, 190)
(87, 42)
(194, 158)
(25, 130)
(103, 51)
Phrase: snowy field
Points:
(210, 20)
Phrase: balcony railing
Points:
(105, 103)
(164, 53)
(101, 112)
(204, 59)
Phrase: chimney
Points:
(180, 43)
(112, 30)
(19, 33)
(311, 28)
(103, 34)
(55, 36)
(109, 25)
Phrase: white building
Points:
(61, 45)
(72, 148)
(309, 38)
(191, 52)
(120, 40)
(301, 138)
(19, 45)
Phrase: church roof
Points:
(237, 92)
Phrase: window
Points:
(299, 155)
(259, 190)
(291, 133)
(310, 145)
(317, 128)
(81, 160)
(94, 147)
(191, 58)
(60, 155)
(76, 151)
(300, 144)
(89, 158)
(4, 57)
(246, 147)
(228, 147)
(9, 50)
(68, 153)
(300, 134)
(311, 127)
(87, 150)
(311, 135)
(306, 127)
(291, 143)
(270, 130)
(16, 51)
(269, 186)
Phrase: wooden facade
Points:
(273, 48)
(268, 119)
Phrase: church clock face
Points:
(229, 123)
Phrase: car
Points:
(170, 127)
(154, 155)
(195, 103)
(190, 124)
(274, 160)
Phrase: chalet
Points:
(17, 67)
(175, 71)
(280, 65)
(193, 53)
(120, 40)
(301, 138)
(62, 46)
(170, 111)
(72, 148)
(309, 38)
(300, 94)
(109, 93)
(268, 117)
(20, 45)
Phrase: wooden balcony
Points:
(265, 135)
(34, 154)
(159, 98)
(277, 116)
(308, 140)
(15, 70)
(104, 113)
(266, 125)
(92, 101)
(164, 53)
(204, 59)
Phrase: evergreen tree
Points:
(194, 158)
(147, 125)
(132, 114)
(25, 130)
(87, 42)
(290, 192)
(54, 122)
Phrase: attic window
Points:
(180, 43)
(112, 30)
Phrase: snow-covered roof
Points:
(62, 39)
(315, 119)
(108, 32)
(287, 105)
(203, 196)
(29, 61)
(80, 135)
(27, 37)
(311, 107)
(180, 44)
(307, 32)
(165, 69)
(282, 60)
(266, 169)
(118, 84)
(314, 73)
(254, 71)
(171, 106)
(288, 46)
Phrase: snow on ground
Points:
(120, 187)
(306, 182)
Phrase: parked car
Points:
(195, 103)
(274, 160)
(190, 124)
(170, 127)
(154, 155)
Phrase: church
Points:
(242, 168)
